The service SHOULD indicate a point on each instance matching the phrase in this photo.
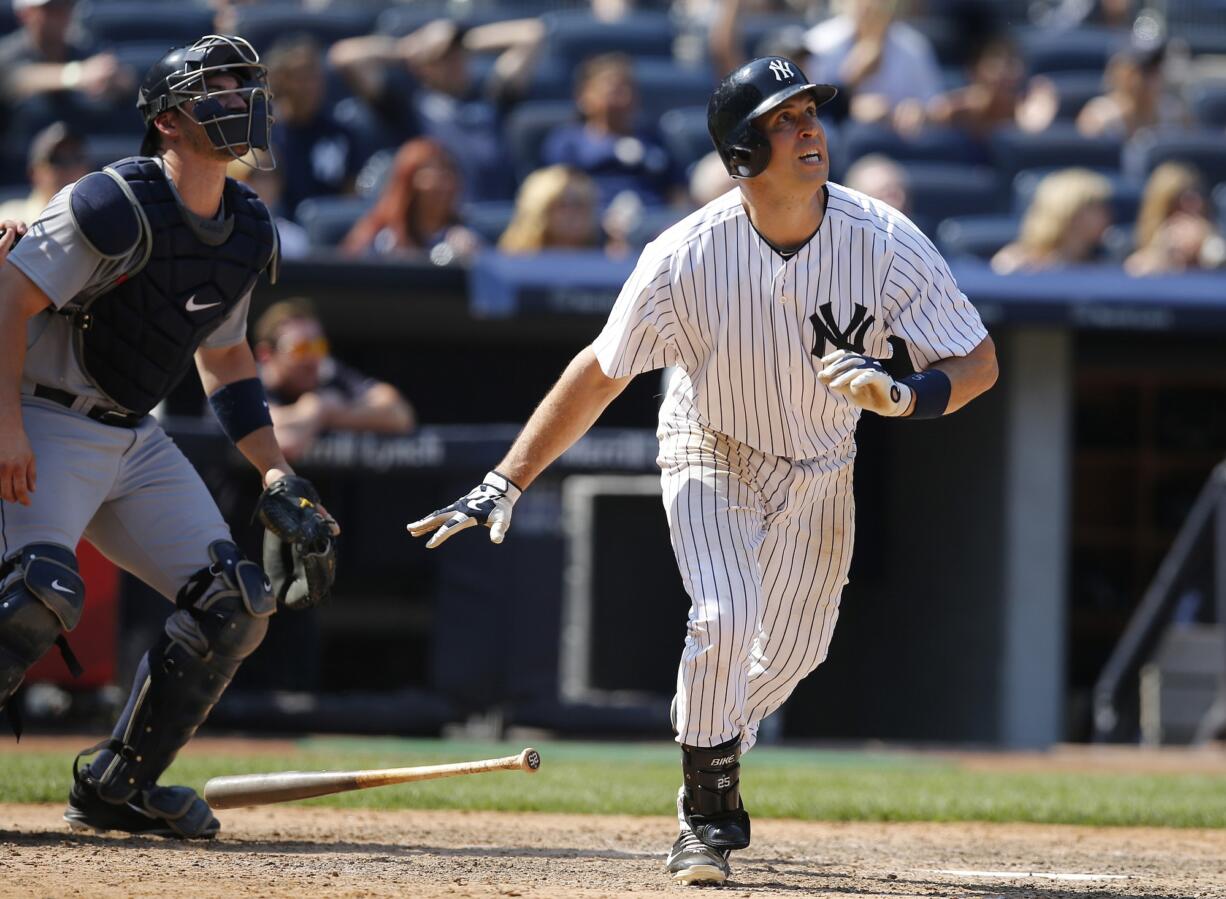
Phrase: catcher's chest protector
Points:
(136, 341)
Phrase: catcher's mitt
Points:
(299, 542)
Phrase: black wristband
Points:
(241, 407)
(931, 389)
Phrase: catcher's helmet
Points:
(180, 76)
(753, 90)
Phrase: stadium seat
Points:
(103, 149)
(759, 31)
(172, 24)
(684, 133)
(941, 190)
(488, 218)
(526, 127)
(263, 23)
(1204, 39)
(1077, 49)
(655, 221)
(328, 219)
(664, 85)
(574, 35)
(931, 145)
(406, 18)
(976, 235)
(1057, 147)
(1207, 100)
(1125, 192)
(1205, 150)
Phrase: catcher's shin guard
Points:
(223, 616)
(712, 803)
(36, 608)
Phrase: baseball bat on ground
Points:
(259, 789)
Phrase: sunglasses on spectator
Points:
(316, 348)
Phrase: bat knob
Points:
(531, 759)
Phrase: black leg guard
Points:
(223, 616)
(45, 600)
(712, 804)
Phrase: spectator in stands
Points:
(1064, 225)
(555, 210)
(881, 178)
(1174, 229)
(40, 58)
(875, 59)
(709, 179)
(421, 84)
(52, 76)
(995, 96)
(309, 392)
(1135, 97)
(56, 159)
(418, 211)
(607, 143)
(318, 155)
(292, 239)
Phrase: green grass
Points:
(641, 779)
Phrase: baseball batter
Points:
(788, 306)
(128, 276)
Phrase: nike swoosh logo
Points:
(193, 306)
(56, 585)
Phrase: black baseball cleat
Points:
(174, 812)
(691, 861)
(694, 863)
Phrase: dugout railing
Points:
(1195, 567)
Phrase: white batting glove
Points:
(488, 504)
(864, 381)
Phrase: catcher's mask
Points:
(179, 80)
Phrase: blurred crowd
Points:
(1028, 134)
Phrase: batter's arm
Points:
(570, 407)
(219, 366)
(969, 375)
(866, 383)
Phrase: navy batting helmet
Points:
(180, 76)
(751, 91)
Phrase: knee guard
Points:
(222, 616)
(36, 608)
(712, 804)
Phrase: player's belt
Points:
(106, 416)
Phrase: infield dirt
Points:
(293, 851)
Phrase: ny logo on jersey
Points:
(782, 69)
(850, 338)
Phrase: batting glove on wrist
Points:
(488, 504)
(864, 381)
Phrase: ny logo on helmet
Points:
(782, 69)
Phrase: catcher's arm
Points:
(300, 536)
(232, 365)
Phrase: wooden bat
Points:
(259, 789)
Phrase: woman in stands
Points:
(1064, 225)
(554, 210)
(1174, 230)
(1135, 98)
(418, 211)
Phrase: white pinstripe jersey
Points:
(746, 328)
